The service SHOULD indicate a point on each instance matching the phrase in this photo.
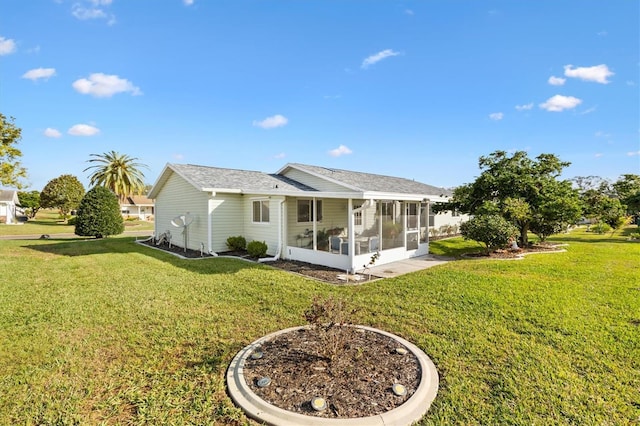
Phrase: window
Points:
(261, 211)
(305, 210)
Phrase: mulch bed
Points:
(356, 383)
(515, 253)
(318, 272)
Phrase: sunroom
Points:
(345, 233)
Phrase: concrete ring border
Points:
(258, 409)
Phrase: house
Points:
(137, 206)
(9, 210)
(331, 217)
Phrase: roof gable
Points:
(369, 182)
(216, 179)
(9, 196)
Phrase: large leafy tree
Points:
(117, 172)
(627, 189)
(11, 171)
(520, 189)
(99, 214)
(30, 201)
(63, 193)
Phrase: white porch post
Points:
(315, 223)
(351, 237)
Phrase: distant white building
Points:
(9, 206)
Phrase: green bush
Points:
(257, 249)
(72, 221)
(238, 243)
(601, 228)
(492, 230)
(99, 214)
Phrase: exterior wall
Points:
(442, 221)
(7, 213)
(267, 232)
(227, 220)
(176, 198)
(315, 182)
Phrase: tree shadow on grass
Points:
(128, 245)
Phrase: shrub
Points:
(72, 221)
(99, 214)
(328, 316)
(257, 249)
(601, 228)
(238, 243)
(492, 230)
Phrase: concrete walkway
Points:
(70, 235)
(406, 266)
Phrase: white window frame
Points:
(318, 209)
(262, 203)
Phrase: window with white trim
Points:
(305, 210)
(261, 211)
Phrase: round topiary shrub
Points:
(99, 214)
(257, 249)
(493, 230)
(238, 243)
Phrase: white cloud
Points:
(524, 107)
(496, 116)
(341, 150)
(602, 33)
(7, 46)
(52, 133)
(178, 156)
(601, 134)
(280, 155)
(377, 57)
(409, 12)
(559, 103)
(83, 13)
(598, 155)
(631, 83)
(83, 130)
(633, 153)
(556, 81)
(104, 86)
(38, 73)
(272, 122)
(597, 73)
(188, 2)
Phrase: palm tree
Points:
(117, 172)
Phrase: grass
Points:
(49, 222)
(110, 332)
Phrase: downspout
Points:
(279, 248)
(210, 225)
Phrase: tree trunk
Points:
(524, 239)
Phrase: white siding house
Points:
(9, 206)
(332, 217)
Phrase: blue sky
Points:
(416, 89)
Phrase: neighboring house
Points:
(137, 206)
(330, 217)
(9, 203)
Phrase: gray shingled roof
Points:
(8, 194)
(245, 180)
(374, 182)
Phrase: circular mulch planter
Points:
(415, 406)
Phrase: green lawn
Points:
(111, 332)
(49, 222)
